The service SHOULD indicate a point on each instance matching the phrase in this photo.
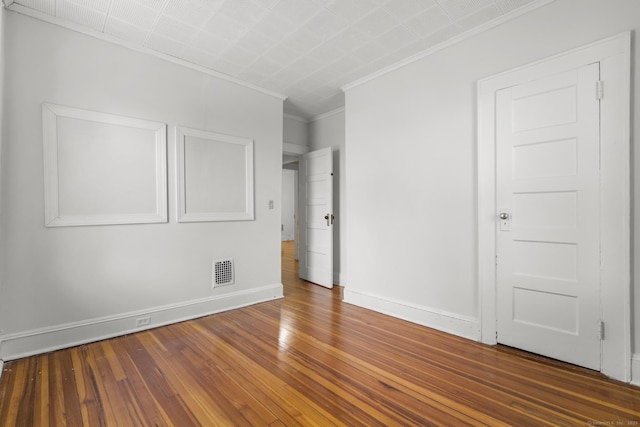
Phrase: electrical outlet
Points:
(143, 321)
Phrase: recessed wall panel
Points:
(215, 176)
(105, 169)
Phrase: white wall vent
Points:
(222, 271)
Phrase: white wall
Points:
(411, 152)
(289, 178)
(327, 130)
(296, 131)
(59, 281)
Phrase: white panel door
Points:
(316, 217)
(548, 245)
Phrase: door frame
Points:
(614, 56)
(294, 152)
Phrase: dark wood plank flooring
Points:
(308, 359)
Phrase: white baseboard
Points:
(635, 369)
(38, 341)
(454, 324)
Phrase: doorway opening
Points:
(289, 224)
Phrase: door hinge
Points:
(601, 330)
(599, 89)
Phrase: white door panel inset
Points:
(317, 193)
(526, 303)
(548, 162)
(531, 209)
(545, 259)
(544, 284)
(547, 159)
(548, 109)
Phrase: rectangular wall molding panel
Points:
(102, 168)
(215, 176)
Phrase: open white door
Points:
(316, 217)
(548, 238)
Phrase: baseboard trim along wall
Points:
(451, 323)
(635, 369)
(38, 341)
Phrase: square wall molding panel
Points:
(215, 176)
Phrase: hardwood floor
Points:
(310, 360)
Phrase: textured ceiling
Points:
(304, 49)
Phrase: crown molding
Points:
(327, 114)
(455, 40)
(101, 36)
(294, 117)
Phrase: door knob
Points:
(503, 216)
(329, 219)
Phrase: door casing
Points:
(614, 56)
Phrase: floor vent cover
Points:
(222, 272)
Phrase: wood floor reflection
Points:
(308, 359)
